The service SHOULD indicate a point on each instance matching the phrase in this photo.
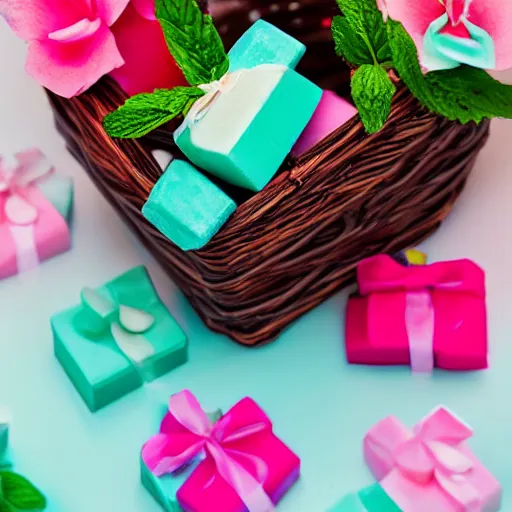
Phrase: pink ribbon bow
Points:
(431, 454)
(382, 274)
(187, 432)
(32, 166)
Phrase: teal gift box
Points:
(164, 488)
(187, 207)
(120, 337)
(371, 499)
(5, 420)
(246, 124)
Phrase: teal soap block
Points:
(265, 44)
(120, 337)
(187, 207)
(164, 488)
(371, 499)
(249, 130)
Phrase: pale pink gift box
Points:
(431, 468)
(35, 207)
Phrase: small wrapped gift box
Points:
(187, 207)
(164, 488)
(430, 468)
(245, 466)
(423, 315)
(245, 125)
(331, 113)
(35, 211)
(370, 499)
(118, 338)
(5, 423)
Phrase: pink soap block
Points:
(331, 113)
(430, 468)
(376, 330)
(206, 491)
(50, 234)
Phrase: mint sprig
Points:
(145, 112)
(192, 40)
(372, 91)
(198, 50)
(365, 24)
(19, 494)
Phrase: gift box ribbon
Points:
(215, 89)
(16, 210)
(126, 325)
(382, 274)
(431, 454)
(244, 472)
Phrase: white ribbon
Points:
(215, 89)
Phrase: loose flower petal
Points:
(80, 30)
(145, 8)
(110, 10)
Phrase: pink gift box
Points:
(331, 113)
(431, 468)
(425, 316)
(32, 228)
(246, 467)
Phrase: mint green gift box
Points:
(371, 499)
(244, 127)
(164, 488)
(5, 419)
(120, 337)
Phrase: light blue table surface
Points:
(320, 405)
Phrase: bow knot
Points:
(99, 314)
(31, 166)
(186, 432)
(433, 453)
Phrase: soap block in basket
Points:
(243, 129)
(331, 113)
(187, 207)
(120, 337)
(35, 213)
(263, 43)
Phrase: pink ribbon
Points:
(382, 274)
(31, 167)
(431, 454)
(190, 432)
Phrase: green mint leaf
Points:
(192, 40)
(372, 91)
(366, 20)
(349, 44)
(144, 112)
(20, 493)
(462, 94)
(5, 507)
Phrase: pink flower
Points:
(148, 65)
(70, 43)
(452, 32)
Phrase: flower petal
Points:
(148, 63)
(110, 10)
(415, 16)
(495, 17)
(80, 30)
(35, 19)
(68, 69)
(145, 8)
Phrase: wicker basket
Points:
(291, 246)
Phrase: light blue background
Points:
(320, 406)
